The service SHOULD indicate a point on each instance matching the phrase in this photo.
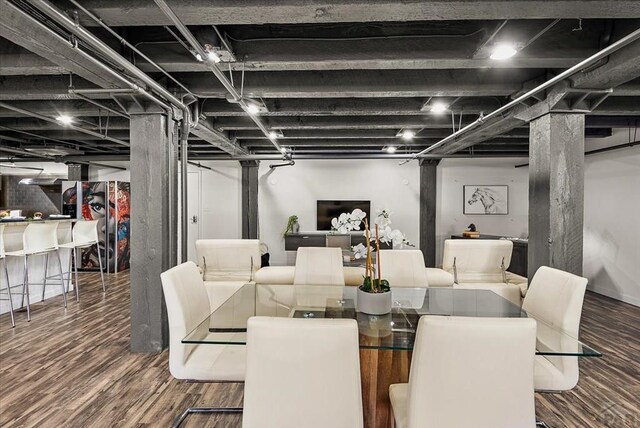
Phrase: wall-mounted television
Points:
(327, 210)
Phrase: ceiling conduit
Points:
(164, 6)
(549, 83)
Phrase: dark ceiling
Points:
(334, 79)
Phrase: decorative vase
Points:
(374, 303)
(295, 227)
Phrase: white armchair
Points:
(481, 264)
(227, 264)
(302, 373)
(555, 299)
(469, 372)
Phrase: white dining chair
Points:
(84, 235)
(469, 372)
(555, 298)
(318, 266)
(187, 306)
(302, 373)
(403, 268)
(39, 239)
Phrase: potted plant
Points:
(374, 295)
(292, 225)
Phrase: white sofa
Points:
(483, 264)
(226, 265)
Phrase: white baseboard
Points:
(614, 294)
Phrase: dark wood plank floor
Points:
(73, 368)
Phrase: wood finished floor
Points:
(74, 369)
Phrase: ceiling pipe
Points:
(102, 48)
(70, 126)
(98, 104)
(195, 44)
(549, 83)
(129, 45)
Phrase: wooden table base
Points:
(378, 370)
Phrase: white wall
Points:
(220, 198)
(453, 174)
(612, 230)
(294, 190)
(101, 173)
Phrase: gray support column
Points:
(428, 182)
(153, 226)
(250, 199)
(556, 192)
(77, 172)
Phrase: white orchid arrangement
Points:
(387, 234)
(348, 222)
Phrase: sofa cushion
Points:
(284, 275)
(353, 275)
(439, 278)
(518, 280)
(275, 275)
(220, 291)
(510, 292)
(228, 259)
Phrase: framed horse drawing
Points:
(486, 199)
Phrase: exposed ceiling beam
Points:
(403, 53)
(205, 12)
(366, 83)
(24, 30)
(373, 142)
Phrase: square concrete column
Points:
(77, 172)
(428, 186)
(250, 199)
(154, 167)
(556, 192)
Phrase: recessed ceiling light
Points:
(438, 107)
(213, 57)
(253, 108)
(65, 119)
(391, 149)
(503, 51)
(408, 134)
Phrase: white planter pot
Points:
(374, 303)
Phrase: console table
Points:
(293, 241)
(519, 261)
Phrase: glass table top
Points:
(394, 331)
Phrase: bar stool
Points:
(38, 239)
(6, 275)
(85, 235)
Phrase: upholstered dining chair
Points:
(302, 373)
(318, 266)
(469, 372)
(403, 268)
(555, 298)
(187, 306)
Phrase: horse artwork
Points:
(486, 199)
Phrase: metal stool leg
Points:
(64, 295)
(101, 271)
(25, 287)
(69, 271)
(6, 275)
(180, 419)
(46, 271)
(75, 270)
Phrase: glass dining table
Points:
(385, 341)
(227, 325)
